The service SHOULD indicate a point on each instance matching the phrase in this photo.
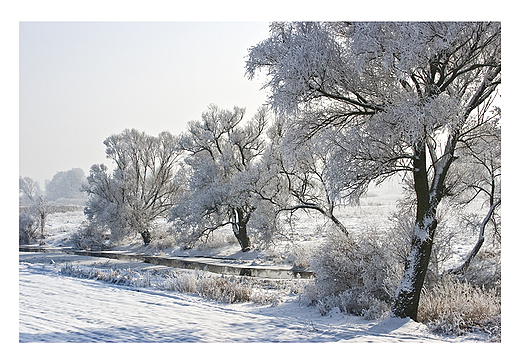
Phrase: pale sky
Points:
(80, 82)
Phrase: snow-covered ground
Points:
(57, 308)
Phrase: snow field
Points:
(57, 308)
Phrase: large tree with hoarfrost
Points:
(141, 188)
(396, 97)
(218, 174)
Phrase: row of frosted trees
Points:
(350, 104)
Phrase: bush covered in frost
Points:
(28, 227)
(90, 237)
(454, 306)
(357, 275)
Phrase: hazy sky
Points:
(81, 82)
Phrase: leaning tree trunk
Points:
(338, 224)
(147, 237)
(408, 293)
(240, 220)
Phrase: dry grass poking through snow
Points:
(229, 289)
(456, 307)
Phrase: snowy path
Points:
(56, 308)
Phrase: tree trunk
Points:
(42, 225)
(242, 237)
(240, 229)
(408, 293)
(147, 237)
(338, 224)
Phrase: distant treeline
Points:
(55, 208)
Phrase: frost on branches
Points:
(386, 98)
(139, 190)
(293, 174)
(218, 174)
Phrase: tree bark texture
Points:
(408, 293)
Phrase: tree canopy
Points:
(392, 97)
(141, 187)
(221, 148)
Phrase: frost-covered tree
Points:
(30, 193)
(398, 97)
(140, 189)
(29, 190)
(221, 150)
(42, 209)
(68, 184)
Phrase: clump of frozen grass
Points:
(126, 277)
(218, 288)
(222, 289)
(452, 306)
(357, 275)
(184, 282)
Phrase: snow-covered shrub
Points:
(126, 277)
(90, 237)
(300, 255)
(453, 306)
(355, 301)
(229, 289)
(28, 226)
(222, 289)
(359, 276)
